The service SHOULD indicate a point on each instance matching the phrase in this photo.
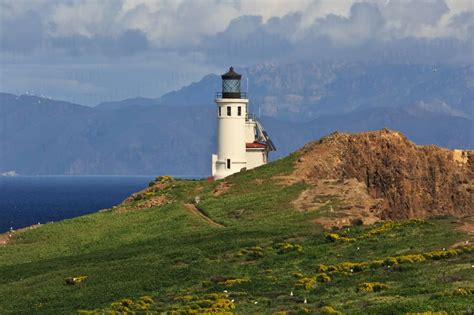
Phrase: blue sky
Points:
(88, 51)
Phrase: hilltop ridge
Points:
(396, 179)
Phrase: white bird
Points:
(444, 248)
(232, 300)
(225, 291)
(255, 302)
(358, 247)
(305, 302)
(291, 293)
(352, 270)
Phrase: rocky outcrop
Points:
(406, 180)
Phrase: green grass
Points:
(167, 253)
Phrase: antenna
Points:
(247, 85)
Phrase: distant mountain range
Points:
(175, 134)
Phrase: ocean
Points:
(27, 200)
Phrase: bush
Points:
(329, 310)
(334, 237)
(75, 280)
(390, 261)
(306, 283)
(252, 253)
(322, 277)
(371, 287)
(283, 248)
(321, 268)
(410, 258)
(463, 291)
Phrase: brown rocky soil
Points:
(382, 175)
(6, 237)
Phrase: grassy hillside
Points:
(242, 248)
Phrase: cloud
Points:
(364, 22)
(167, 38)
(126, 43)
(21, 33)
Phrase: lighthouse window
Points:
(220, 111)
(228, 163)
(228, 111)
(239, 111)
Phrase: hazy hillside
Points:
(176, 133)
(39, 136)
(300, 235)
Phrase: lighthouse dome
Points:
(231, 84)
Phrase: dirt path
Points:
(6, 237)
(192, 208)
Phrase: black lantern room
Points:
(231, 84)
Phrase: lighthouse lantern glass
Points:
(231, 86)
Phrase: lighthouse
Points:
(242, 143)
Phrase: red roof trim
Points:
(255, 145)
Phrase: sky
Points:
(89, 51)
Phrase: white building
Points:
(242, 143)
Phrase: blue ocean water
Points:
(27, 200)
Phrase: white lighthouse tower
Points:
(242, 143)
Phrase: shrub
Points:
(429, 313)
(371, 287)
(321, 268)
(329, 310)
(463, 291)
(322, 277)
(163, 178)
(252, 253)
(376, 264)
(306, 283)
(410, 258)
(204, 303)
(390, 261)
(442, 254)
(75, 280)
(334, 237)
(234, 281)
(283, 248)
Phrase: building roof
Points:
(255, 145)
(231, 75)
